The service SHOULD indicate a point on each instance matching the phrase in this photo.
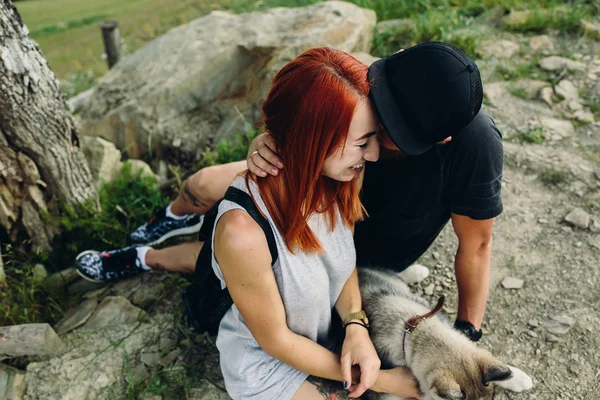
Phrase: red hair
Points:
(308, 112)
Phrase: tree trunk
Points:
(41, 163)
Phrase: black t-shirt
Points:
(409, 200)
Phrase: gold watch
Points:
(360, 315)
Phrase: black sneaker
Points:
(160, 228)
(96, 266)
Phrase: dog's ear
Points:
(518, 382)
(495, 371)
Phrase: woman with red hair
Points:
(277, 341)
(278, 336)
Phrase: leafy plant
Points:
(23, 298)
(125, 203)
(78, 82)
(552, 177)
(535, 136)
(226, 151)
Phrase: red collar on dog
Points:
(412, 323)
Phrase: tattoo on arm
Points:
(330, 390)
(189, 197)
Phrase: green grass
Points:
(552, 177)
(126, 203)
(534, 136)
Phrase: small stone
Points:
(512, 283)
(561, 127)
(429, 289)
(77, 317)
(169, 358)
(546, 95)
(39, 273)
(438, 288)
(567, 90)
(499, 48)
(575, 105)
(138, 373)
(595, 225)
(550, 338)
(532, 334)
(595, 242)
(591, 29)
(166, 343)
(541, 42)
(584, 116)
(150, 359)
(578, 218)
(555, 63)
(533, 323)
(436, 255)
(542, 221)
(560, 325)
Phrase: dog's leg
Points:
(518, 382)
(414, 274)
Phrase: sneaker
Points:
(161, 227)
(96, 266)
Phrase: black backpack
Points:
(204, 302)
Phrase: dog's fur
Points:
(446, 364)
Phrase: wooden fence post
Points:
(112, 41)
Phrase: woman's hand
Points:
(398, 381)
(262, 156)
(359, 350)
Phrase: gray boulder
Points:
(192, 86)
(29, 340)
(12, 383)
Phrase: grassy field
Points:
(69, 35)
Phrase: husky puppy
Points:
(447, 365)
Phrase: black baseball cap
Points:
(424, 94)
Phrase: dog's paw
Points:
(414, 274)
(518, 382)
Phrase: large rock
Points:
(190, 86)
(12, 383)
(29, 340)
(114, 311)
(103, 158)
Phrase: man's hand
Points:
(262, 156)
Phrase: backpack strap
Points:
(242, 198)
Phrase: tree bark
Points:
(41, 163)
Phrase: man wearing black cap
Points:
(441, 160)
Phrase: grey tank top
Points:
(309, 285)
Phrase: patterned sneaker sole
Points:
(87, 278)
(176, 232)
